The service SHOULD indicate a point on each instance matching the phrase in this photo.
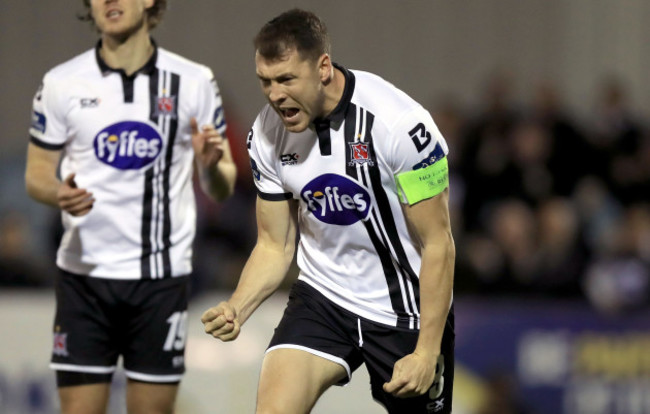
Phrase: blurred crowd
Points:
(544, 203)
(549, 204)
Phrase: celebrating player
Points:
(128, 120)
(360, 169)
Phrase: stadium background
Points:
(544, 104)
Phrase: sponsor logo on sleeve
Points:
(128, 145)
(38, 121)
(218, 120)
(434, 156)
(249, 139)
(256, 171)
(334, 199)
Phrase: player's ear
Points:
(325, 68)
(149, 3)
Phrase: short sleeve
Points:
(260, 151)
(48, 128)
(211, 105)
(418, 157)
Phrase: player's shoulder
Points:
(381, 97)
(174, 62)
(72, 68)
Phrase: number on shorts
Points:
(177, 331)
(438, 381)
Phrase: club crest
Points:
(360, 154)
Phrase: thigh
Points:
(292, 380)
(84, 399)
(156, 331)
(383, 346)
(83, 340)
(142, 397)
(313, 324)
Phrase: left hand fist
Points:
(208, 144)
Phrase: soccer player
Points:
(360, 170)
(128, 121)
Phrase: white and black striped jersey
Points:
(354, 247)
(128, 140)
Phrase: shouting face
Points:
(294, 86)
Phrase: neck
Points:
(129, 53)
(334, 91)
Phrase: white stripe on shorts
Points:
(82, 368)
(330, 357)
(138, 376)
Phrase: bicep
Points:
(276, 224)
(429, 219)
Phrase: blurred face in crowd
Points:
(294, 86)
(120, 18)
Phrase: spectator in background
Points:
(512, 226)
(562, 253)
(486, 151)
(567, 139)
(622, 148)
(566, 187)
(618, 280)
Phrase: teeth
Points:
(114, 13)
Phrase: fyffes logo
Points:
(334, 199)
(128, 145)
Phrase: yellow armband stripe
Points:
(417, 185)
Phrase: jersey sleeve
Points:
(210, 104)
(418, 157)
(260, 151)
(48, 128)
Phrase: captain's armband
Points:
(417, 185)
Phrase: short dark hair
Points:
(154, 13)
(297, 29)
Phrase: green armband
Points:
(417, 185)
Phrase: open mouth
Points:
(113, 14)
(289, 114)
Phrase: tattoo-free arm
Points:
(264, 271)
(429, 221)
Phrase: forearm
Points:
(41, 182)
(264, 272)
(218, 181)
(43, 191)
(436, 285)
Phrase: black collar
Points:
(338, 114)
(148, 67)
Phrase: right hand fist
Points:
(221, 322)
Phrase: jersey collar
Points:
(338, 114)
(148, 67)
(335, 118)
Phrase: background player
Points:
(123, 119)
(361, 170)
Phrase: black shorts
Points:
(98, 320)
(313, 323)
